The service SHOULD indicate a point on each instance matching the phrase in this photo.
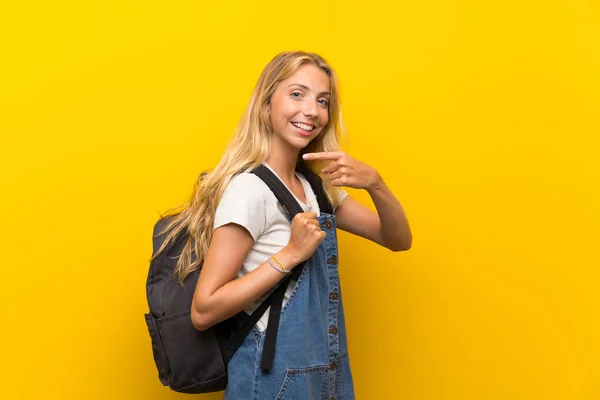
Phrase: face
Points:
(299, 107)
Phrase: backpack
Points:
(193, 361)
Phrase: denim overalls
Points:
(311, 355)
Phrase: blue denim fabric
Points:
(311, 355)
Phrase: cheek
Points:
(324, 117)
(283, 111)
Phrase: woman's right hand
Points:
(305, 237)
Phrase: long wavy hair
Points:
(249, 147)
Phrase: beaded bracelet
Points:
(280, 264)
(283, 271)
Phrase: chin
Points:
(303, 142)
(300, 142)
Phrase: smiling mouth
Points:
(304, 127)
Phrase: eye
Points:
(296, 94)
(324, 102)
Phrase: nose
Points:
(310, 109)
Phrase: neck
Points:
(283, 160)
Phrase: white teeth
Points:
(303, 126)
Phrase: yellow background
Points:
(483, 117)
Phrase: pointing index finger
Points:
(325, 155)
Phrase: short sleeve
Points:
(341, 195)
(243, 203)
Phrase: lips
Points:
(304, 129)
(307, 127)
(303, 132)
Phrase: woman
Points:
(293, 117)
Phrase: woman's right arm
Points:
(219, 296)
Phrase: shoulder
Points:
(247, 187)
(246, 180)
(246, 201)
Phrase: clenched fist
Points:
(305, 237)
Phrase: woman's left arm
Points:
(388, 226)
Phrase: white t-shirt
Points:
(248, 201)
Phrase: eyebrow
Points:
(308, 89)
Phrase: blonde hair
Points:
(249, 147)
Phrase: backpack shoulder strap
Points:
(288, 201)
(279, 190)
(317, 186)
(275, 300)
(286, 198)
